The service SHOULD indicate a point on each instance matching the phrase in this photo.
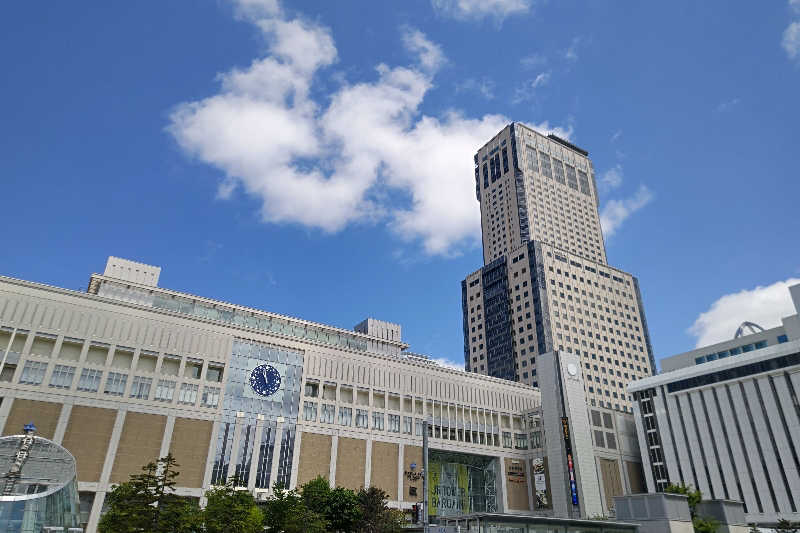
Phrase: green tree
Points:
(285, 511)
(231, 511)
(376, 517)
(147, 503)
(787, 526)
(339, 507)
(694, 496)
(704, 524)
(344, 512)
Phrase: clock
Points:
(265, 380)
(572, 369)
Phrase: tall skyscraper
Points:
(545, 284)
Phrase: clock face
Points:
(572, 369)
(265, 380)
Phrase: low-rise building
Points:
(725, 419)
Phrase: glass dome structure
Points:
(37, 484)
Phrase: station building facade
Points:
(128, 371)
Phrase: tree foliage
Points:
(231, 511)
(147, 503)
(376, 517)
(694, 496)
(787, 526)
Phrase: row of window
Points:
(410, 425)
(736, 350)
(90, 379)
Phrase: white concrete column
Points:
(529, 478)
(94, 514)
(368, 465)
(111, 452)
(63, 420)
(5, 409)
(334, 453)
(400, 471)
(166, 440)
(251, 479)
(212, 450)
(276, 454)
(99, 497)
(295, 458)
(503, 483)
(237, 436)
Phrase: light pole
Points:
(425, 475)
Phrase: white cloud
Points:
(727, 105)
(366, 155)
(794, 5)
(611, 178)
(541, 80)
(615, 212)
(447, 363)
(479, 9)
(484, 87)
(430, 55)
(571, 53)
(533, 61)
(528, 90)
(791, 40)
(764, 305)
(616, 136)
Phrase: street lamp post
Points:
(425, 475)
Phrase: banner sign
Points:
(448, 489)
(540, 483)
(573, 487)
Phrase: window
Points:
(377, 421)
(140, 388)
(782, 339)
(394, 423)
(188, 394)
(310, 411)
(327, 413)
(362, 418)
(210, 396)
(536, 439)
(90, 380)
(115, 384)
(418, 427)
(214, 373)
(345, 416)
(62, 377)
(165, 390)
(33, 373)
(312, 389)
(408, 424)
(506, 439)
(520, 441)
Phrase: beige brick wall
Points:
(315, 457)
(612, 484)
(412, 454)
(384, 467)
(44, 415)
(139, 444)
(516, 484)
(189, 446)
(87, 436)
(351, 459)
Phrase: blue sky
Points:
(314, 158)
